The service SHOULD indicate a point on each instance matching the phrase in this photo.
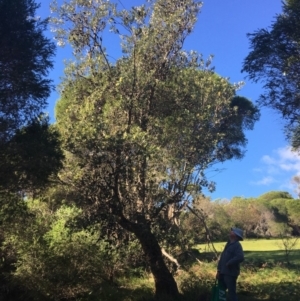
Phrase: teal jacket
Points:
(231, 257)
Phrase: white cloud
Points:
(287, 167)
(288, 185)
(286, 153)
(264, 181)
(279, 167)
(268, 160)
(283, 159)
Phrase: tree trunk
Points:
(295, 229)
(164, 281)
(165, 284)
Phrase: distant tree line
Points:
(271, 215)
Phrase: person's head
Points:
(236, 234)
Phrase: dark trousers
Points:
(229, 282)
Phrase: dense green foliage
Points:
(25, 59)
(140, 131)
(29, 148)
(30, 157)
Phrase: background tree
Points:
(25, 59)
(275, 212)
(140, 132)
(29, 149)
(274, 60)
(296, 182)
(29, 157)
(246, 214)
(293, 217)
(220, 221)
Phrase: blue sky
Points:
(221, 30)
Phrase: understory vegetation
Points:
(48, 253)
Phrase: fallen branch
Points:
(170, 257)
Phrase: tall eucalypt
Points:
(139, 131)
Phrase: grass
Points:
(265, 250)
(252, 245)
(265, 273)
(264, 276)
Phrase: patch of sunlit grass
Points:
(251, 245)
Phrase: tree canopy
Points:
(25, 59)
(139, 132)
(29, 149)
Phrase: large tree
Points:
(140, 131)
(29, 149)
(25, 58)
(274, 60)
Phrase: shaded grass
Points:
(264, 276)
(273, 257)
(269, 283)
(273, 283)
(128, 289)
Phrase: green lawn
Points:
(253, 245)
(267, 250)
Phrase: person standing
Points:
(229, 264)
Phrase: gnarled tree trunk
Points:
(165, 283)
